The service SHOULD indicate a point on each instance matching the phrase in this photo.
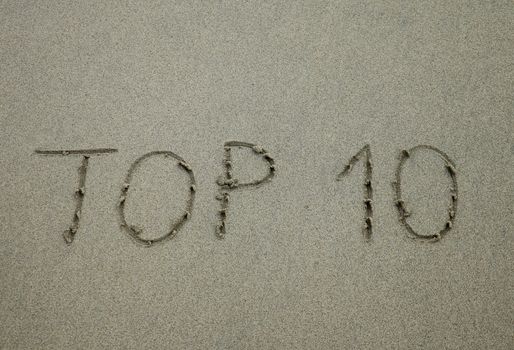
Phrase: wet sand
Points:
(304, 261)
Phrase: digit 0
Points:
(400, 203)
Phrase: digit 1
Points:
(368, 187)
(400, 203)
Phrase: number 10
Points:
(365, 152)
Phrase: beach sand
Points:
(311, 82)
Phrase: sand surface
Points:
(313, 83)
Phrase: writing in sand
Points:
(227, 183)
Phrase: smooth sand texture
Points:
(312, 82)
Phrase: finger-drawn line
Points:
(227, 182)
(135, 232)
(221, 228)
(400, 203)
(80, 192)
(66, 152)
(368, 186)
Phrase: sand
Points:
(312, 83)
